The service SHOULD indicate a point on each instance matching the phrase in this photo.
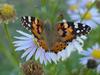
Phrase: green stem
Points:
(6, 31)
(7, 53)
(11, 54)
(88, 10)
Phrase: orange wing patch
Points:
(69, 35)
(43, 44)
(65, 31)
(37, 28)
(58, 46)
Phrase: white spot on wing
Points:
(83, 25)
(76, 25)
(29, 18)
(78, 31)
(24, 17)
(29, 25)
(63, 20)
(83, 28)
(24, 21)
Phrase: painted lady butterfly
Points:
(54, 37)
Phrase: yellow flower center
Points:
(87, 16)
(73, 7)
(7, 13)
(7, 10)
(96, 54)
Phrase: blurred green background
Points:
(38, 8)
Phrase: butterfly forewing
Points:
(70, 30)
(32, 24)
(79, 28)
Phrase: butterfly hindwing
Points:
(32, 24)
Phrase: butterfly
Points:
(56, 37)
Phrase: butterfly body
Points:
(54, 37)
